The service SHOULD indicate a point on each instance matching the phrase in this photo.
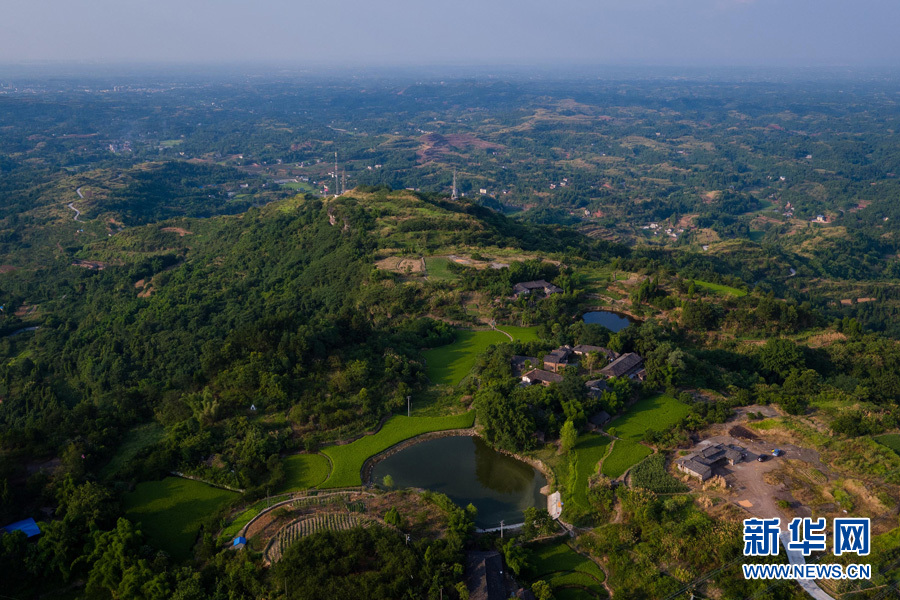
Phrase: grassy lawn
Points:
(720, 289)
(625, 454)
(891, 440)
(135, 441)
(436, 267)
(448, 365)
(348, 459)
(590, 448)
(170, 511)
(304, 471)
(559, 565)
(523, 334)
(656, 412)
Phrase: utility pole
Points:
(501, 529)
(408, 405)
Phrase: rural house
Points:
(540, 376)
(523, 364)
(599, 419)
(558, 359)
(629, 364)
(527, 287)
(582, 349)
(484, 576)
(701, 463)
(596, 387)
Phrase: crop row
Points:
(308, 526)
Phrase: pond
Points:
(611, 320)
(468, 471)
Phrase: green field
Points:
(523, 334)
(656, 412)
(559, 565)
(448, 365)
(437, 269)
(240, 520)
(135, 441)
(891, 440)
(721, 289)
(651, 474)
(590, 448)
(304, 471)
(170, 511)
(625, 454)
(348, 459)
(300, 187)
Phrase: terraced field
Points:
(571, 575)
(656, 412)
(625, 454)
(891, 440)
(310, 525)
(448, 365)
(590, 448)
(171, 511)
(304, 471)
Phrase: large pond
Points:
(612, 321)
(468, 471)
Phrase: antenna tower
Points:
(454, 195)
(337, 190)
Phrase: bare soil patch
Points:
(435, 145)
(825, 339)
(739, 431)
(398, 264)
(181, 231)
(7, 268)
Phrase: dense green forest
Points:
(178, 295)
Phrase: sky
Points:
(437, 32)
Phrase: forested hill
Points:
(279, 307)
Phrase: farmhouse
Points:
(599, 419)
(558, 359)
(540, 376)
(629, 364)
(527, 287)
(701, 464)
(596, 387)
(582, 349)
(484, 576)
(523, 364)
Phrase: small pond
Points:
(468, 470)
(611, 320)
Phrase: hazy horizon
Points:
(669, 33)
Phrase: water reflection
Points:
(468, 471)
(612, 321)
(498, 472)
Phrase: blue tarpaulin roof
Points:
(239, 540)
(28, 526)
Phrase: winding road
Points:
(77, 212)
(71, 205)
